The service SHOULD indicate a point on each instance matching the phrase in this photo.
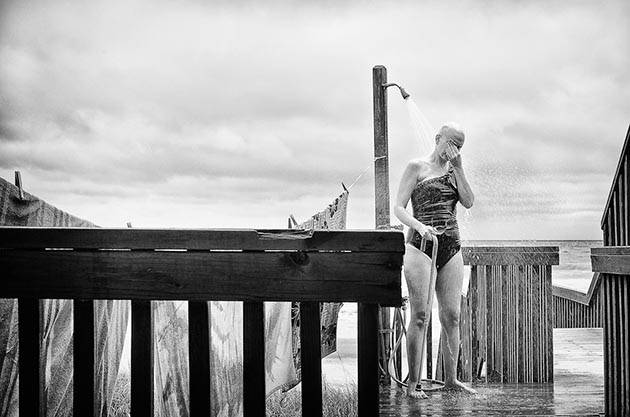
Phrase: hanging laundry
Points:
(56, 324)
(331, 218)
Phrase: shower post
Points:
(381, 190)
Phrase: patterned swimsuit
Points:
(434, 204)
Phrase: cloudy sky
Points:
(239, 113)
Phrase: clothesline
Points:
(364, 171)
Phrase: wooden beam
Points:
(210, 239)
(511, 255)
(229, 276)
(611, 260)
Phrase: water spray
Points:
(403, 92)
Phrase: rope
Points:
(365, 170)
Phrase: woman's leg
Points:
(449, 292)
(417, 267)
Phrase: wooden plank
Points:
(367, 357)
(473, 297)
(618, 264)
(608, 378)
(549, 318)
(83, 351)
(511, 255)
(624, 155)
(29, 339)
(229, 276)
(253, 359)
(505, 331)
(623, 339)
(199, 357)
(310, 342)
(490, 326)
(535, 328)
(611, 251)
(141, 358)
(381, 162)
(197, 239)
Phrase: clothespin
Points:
(18, 184)
(129, 225)
(295, 223)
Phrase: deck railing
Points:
(574, 309)
(506, 321)
(613, 262)
(198, 266)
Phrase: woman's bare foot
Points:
(414, 392)
(458, 386)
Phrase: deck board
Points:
(578, 388)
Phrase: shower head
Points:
(403, 92)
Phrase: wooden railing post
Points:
(367, 357)
(311, 350)
(199, 358)
(141, 358)
(253, 359)
(83, 384)
(613, 262)
(28, 321)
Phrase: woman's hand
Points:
(453, 156)
(427, 232)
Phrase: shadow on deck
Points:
(578, 388)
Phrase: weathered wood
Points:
(381, 180)
(83, 357)
(381, 162)
(141, 358)
(253, 359)
(611, 260)
(198, 239)
(367, 358)
(29, 372)
(310, 336)
(199, 358)
(229, 276)
(511, 255)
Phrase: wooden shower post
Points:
(381, 181)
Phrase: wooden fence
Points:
(199, 265)
(506, 321)
(574, 309)
(613, 262)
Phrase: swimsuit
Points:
(434, 204)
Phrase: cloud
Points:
(268, 105)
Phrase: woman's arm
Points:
(466, 196)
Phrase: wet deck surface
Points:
(578, 388)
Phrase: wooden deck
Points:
(578, 388)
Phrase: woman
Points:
(434, 187)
